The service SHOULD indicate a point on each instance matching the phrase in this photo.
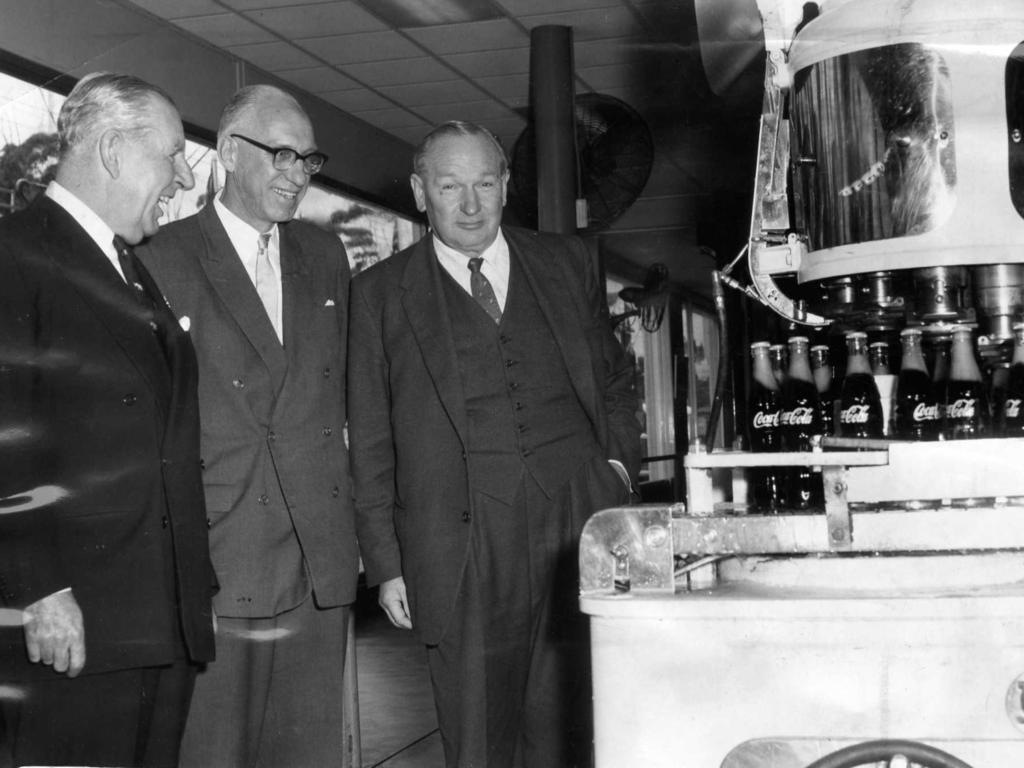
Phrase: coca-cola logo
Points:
(763, 420)
(924, 412)
(1011, 408)
(855, 414)
(797, 417)
(962, 408)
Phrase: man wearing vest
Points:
(492, 411)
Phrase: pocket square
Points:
(185, 323)
(329, 303)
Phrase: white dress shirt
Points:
(495, 266)
(88, 219)
(245, 239)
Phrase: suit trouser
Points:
(511, 676)
(273, 697)
(132, 717)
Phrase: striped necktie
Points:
(482, 290)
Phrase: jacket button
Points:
(238, 384)
(263, 498)
(129, 399)
(202, 463)
(335, 491)
(209, 523)
(327, 373)
(164, 522)
(466, 516)
(328, 431)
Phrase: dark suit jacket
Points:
(407, 417)
(89, 404)
(272, 416)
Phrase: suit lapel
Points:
(427, 313)
(295, 276)
(94, 278)
(227, 275)
(542, 270)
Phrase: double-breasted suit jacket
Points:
(408, 413)
(99, 435)
(272, 414)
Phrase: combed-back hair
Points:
(104, 100)
(454, 128)
(243, 102)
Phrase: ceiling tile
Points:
(379, 73)
(357, 100)
(441, 92)
(251, 4)
(413, 133)
(475, 111)
(389, 118)
(226, 29)
(590, 24)
(319, 79)
(180, 9)
(274, 56)
(317, 20)
(529, 7)
(509, 88)
(365, 46)
(471, 36)
(507, 61)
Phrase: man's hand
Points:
(55, 633)
(393, 600)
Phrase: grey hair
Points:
(451, 129)
(244, 101)
(104, 100)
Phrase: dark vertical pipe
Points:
(551, 102)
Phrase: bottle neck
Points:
(799, 363)
(964, 367)
(762, 371)
(913, 356)
(856, 358)
(1018, 350)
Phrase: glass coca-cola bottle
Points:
(779, 360)
(966, 399)
(917, 415)
(940, 383)
(821, 370)
(800, 420)
(1011, 413)
(766, 483)
(860, 407)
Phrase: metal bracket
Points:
(837, 511)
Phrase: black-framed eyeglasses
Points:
(285, 157)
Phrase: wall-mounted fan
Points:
(614, 152)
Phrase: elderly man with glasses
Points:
(266, 302)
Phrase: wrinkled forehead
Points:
(469, 153)
(280, 122)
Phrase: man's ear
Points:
(111, 148)
(418, 192)
(504, 187)
(227, 152)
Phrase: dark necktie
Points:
(129, 267)
(482, 290)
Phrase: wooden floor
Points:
(398, 725)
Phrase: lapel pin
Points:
(329, 303)
(185, 323)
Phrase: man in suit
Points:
(103, 532)
(492, 411)
(267, 301)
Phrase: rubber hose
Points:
(870, 752)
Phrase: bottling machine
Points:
(886, 628)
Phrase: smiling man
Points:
(103, 541)
(491, 413)
(266, 298)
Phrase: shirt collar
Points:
(86, 217)
(492, 254)
(243, 235)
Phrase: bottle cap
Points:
(760, 345)
(916, 331)
(856, 335)
(1018, 326)
(798, 340)
(819, 346)
(879, 344)
(963, 329)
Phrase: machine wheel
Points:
(869, 753)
